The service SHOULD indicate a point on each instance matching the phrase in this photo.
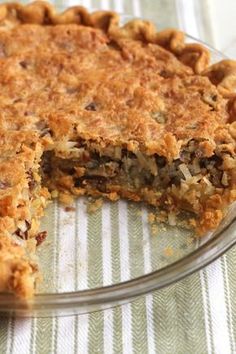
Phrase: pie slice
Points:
(17, 272)
(89, 107)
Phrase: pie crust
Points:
(90, 107)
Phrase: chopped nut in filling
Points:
(149, 177)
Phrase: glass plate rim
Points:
(85, 301)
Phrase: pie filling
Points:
(137, 176)
(35, 201)
(80, 167)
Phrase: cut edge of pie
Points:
(116, 135)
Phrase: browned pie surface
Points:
(77, 80)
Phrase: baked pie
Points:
(90, 107)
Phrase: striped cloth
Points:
(195, 315)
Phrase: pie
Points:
(90, 107)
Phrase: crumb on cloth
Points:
(66, 199)
(168, 251)
(151, 218)
(40, 238)
(69, 208)
(94, 204)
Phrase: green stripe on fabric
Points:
(95, 278)
(231, 265)
(191, 315)
(95, 337)
(139, 326)
(138, 308)
(116, 275)
(135, 233)
(179, 325)
(115, 243)
(117, 330)
(227, 301)
(44, 335)
(4, 327)
(153, 11)
(94, 234)
(165, 321)
(178, 242)
(44, 332)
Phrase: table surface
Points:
(195, 315)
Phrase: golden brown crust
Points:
(223, 75)
(43, 13)
(76, 75)
(194, 55)
(17, 272)
(130, 84)
(20, 153)
(232, 108)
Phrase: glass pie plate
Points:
(95, 260)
